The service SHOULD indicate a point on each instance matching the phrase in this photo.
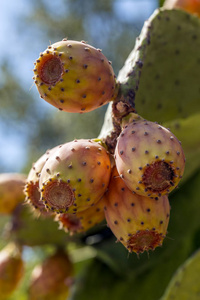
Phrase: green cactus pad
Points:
(187, 131)
(185, 282)
(168, 85)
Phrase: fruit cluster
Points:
(81, 182)
(53, 276)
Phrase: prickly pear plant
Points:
(74, 76)
(75, 176)
(11, 191)
(149, 158)
(158, 83)
(31, 189)
(83, 220)
(11, 269)
(51, 280)
(138, 222)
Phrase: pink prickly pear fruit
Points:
(11, 191)
(11, 270)
(75, 177)
(138, 222)
(51, 280)
(83, 220)
(191, 6)
(149, 158)
(74, 77)
(31, 189)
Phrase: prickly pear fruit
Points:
(51, 279)
(83, 220)
(138, 222)
(31, 189)
(11, 191)
(11, 270)
(74, 76)
(191, 6)
(75, 177)
(149, 158)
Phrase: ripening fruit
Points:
(83, 220)
(31, 189)
(138, 222)
(74, 77)
(51, 280)
(75, 177)
(11, 191)
(11, 270)
(149, 158)
(191, 6)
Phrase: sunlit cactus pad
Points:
(169, 80)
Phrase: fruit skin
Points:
(83, 220)
(149, 158)
(138, 222)
(11, 270)
(31, 189)
(191, 6)
(11, 191)
(51, 279)
(74, 77)
(75, 177)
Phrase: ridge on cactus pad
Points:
(149, 158)
(31, 189)
(74, 77)
(138, 222)
(75, 177)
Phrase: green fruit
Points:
(74, 77)
(11, 191)
(51, 279)
(75, 177)
(149, 158)
(138, 222)
(11, 270)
